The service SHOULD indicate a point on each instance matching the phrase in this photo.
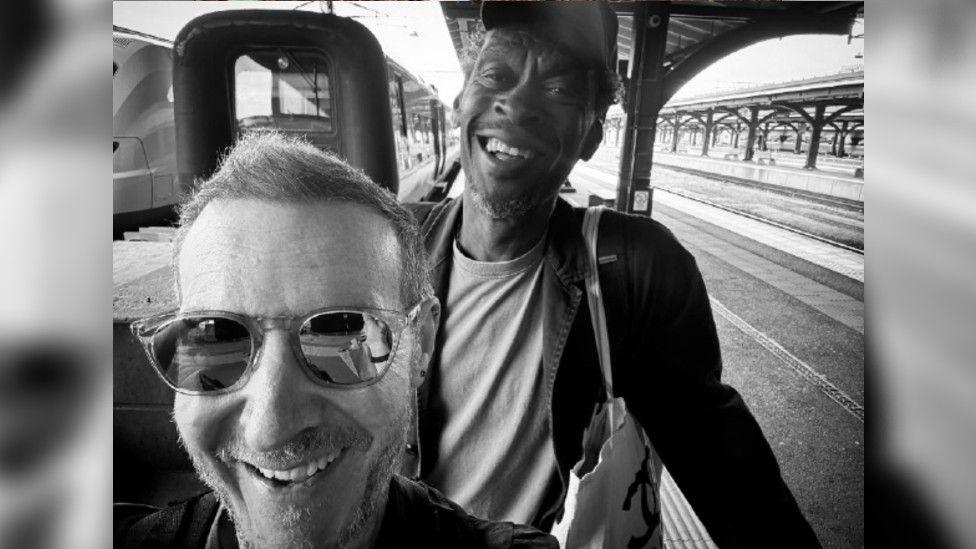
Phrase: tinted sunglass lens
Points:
(346, 348)
(202, 354)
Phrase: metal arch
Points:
(719, 120)
(730, 125)
(734, 112)
(776, 109)
(797, 108)
(834, 115)
(695, 116)
(690, 116)
(780, 123)
(755, 31)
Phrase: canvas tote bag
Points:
(613, 495)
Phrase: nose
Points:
(520, 104)
(281, 401)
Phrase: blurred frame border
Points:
(55, 283)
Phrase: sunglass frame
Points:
(146, 329)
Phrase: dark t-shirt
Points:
(416, 516)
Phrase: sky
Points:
(777, 60)
(414, 34)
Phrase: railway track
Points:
(849, 204)
(840, 202)
(764, 220)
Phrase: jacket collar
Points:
(565, 251)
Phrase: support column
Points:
(817, 127)
(841, 153)
(645, 97)
(751, 137)
(833, 142)
(674, 133)
(709, 131)
(735, 138)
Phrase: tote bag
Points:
(613, 495)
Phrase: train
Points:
(146, 181)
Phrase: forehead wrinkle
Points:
(551, 58)
(297, 259)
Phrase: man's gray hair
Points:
(276, 168)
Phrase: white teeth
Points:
(301, 472)
(496, 145)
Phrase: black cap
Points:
(586, 28)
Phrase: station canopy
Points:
(699, 32)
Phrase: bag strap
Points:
(598, 317)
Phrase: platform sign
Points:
(641, 201)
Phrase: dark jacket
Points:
(666, 365)
(416, 516)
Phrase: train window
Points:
(286, 90)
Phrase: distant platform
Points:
(811, 181)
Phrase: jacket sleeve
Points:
(702, 429)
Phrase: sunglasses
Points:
(215, 352)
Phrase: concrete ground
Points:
(792, 340)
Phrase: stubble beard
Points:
(515, 207)
(498, 209)
(512, 207)
(299, 521)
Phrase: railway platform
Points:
(831, 184)
(789, 310)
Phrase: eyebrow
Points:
(560, 64)
(492, 52)
(564, 65)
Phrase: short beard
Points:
(377, 484)
(511, 208)
(297, 519)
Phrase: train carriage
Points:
(289, 92)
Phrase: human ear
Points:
(592, 140)
(455, 107)
(428, 321)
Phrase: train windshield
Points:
(285, 90)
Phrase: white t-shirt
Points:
(495, 457)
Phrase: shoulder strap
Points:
(591, 230)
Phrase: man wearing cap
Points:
(305, 320)
(515, 375)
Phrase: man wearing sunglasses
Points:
(305, 323)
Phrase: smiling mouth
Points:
(300, 474)
(501, 151)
